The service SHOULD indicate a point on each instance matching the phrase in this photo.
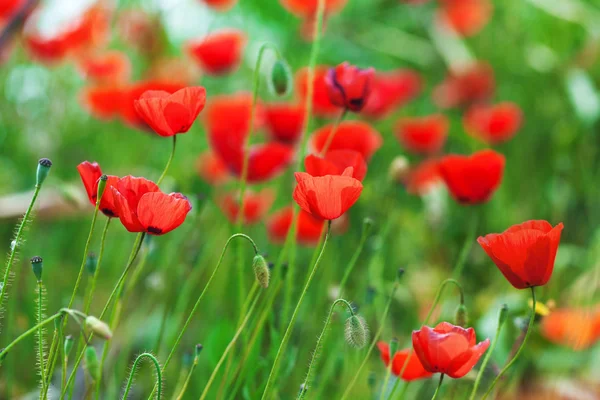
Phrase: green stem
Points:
(17, 244)
(41, 357)
(228, 349)
(388, 374)
(529, 329)
(464, 252)
(288, 331)
(373, 343)
(134, 368)
(438, 387)
(88, 302)
(316, 352)
(164, 173)
(32, 330)
(354, 259)
(187, 379)
(334, 129)
(501, 319)
(197, 304)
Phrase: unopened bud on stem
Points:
(37, 266)
(357, 332)
(98, 327)
(42, 170)
(261, 270)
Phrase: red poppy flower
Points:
(90, 174)
(391, 90)
(423, 135)
(103, 102)
(220, 52)
(108, 67)
(475, 83)
(127, 109)
(143, 207)
(256, 205)
(472, 179)
(322, 106)
(467, 17)
(9, 7)
(335, 163)
(576, 328)
(448, 349)
(308, 228)
(349, 86)
(414, 369)
(327, 197)
(524, 253)
(212, 169)
(423, 177)
(220, 5)
(308, 8)
(284, 121)
(493, 124)
(350, 135)
(170, 114)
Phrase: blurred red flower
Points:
(220, 52)
(422, 177)
(212, 169)
(495, 123)
(335, 163)
(220, 5)
(256, 205)
(308, 8)
(308, 228)
(467, 17)
(284, 121)
(473, 84)
(103, 102)
(327, 197)
(448, 349)
(142, 207)
(524, 253)
(169, 114)
(576, 328)
(391, 90)
(322, 106)
(9, 7)
(350, 135)
(106, 67)
(423, 135)
(414, 369)
(348, 86)
(472, 179)
(134, 91)
(90, 173)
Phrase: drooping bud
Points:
(42, 170)
(280, 78)
(357, 332)
(261, 270)
(91, 263)
(37, 266)
(461, 316)
(98, 327)
(101, 187)
(393, 346)
(91, 363)
(399, 169)
(68, 345)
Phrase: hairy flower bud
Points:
(357, 332)
(37, 266)
(261, 270)
(91, 363)
(42, 170)
(98, 327)
(461, 316)
(280, 78)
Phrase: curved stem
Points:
(373, 343)
(438, 387)
(197, 304)
(88, 302)
(288, 331)
(134, 368)
(32, 330)
(17, 244)
(228, 349)
(488, 355)
(529, 329)
(164, 173)
(334, 129)
(315, 356)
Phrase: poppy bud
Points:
(91, 263)
(91, 363)
(461, 317)
(98, 327)
(393, 346)
(198, 349)
(357, 332)
(101, 187)
(42, 170)
(349, 86)
(399, 169)
(281, 77)
(36, 266)
(68, 345)
(261, 270)
(368, 224)
(503, 314)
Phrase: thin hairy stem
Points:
(139, 358)
(41, 357)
